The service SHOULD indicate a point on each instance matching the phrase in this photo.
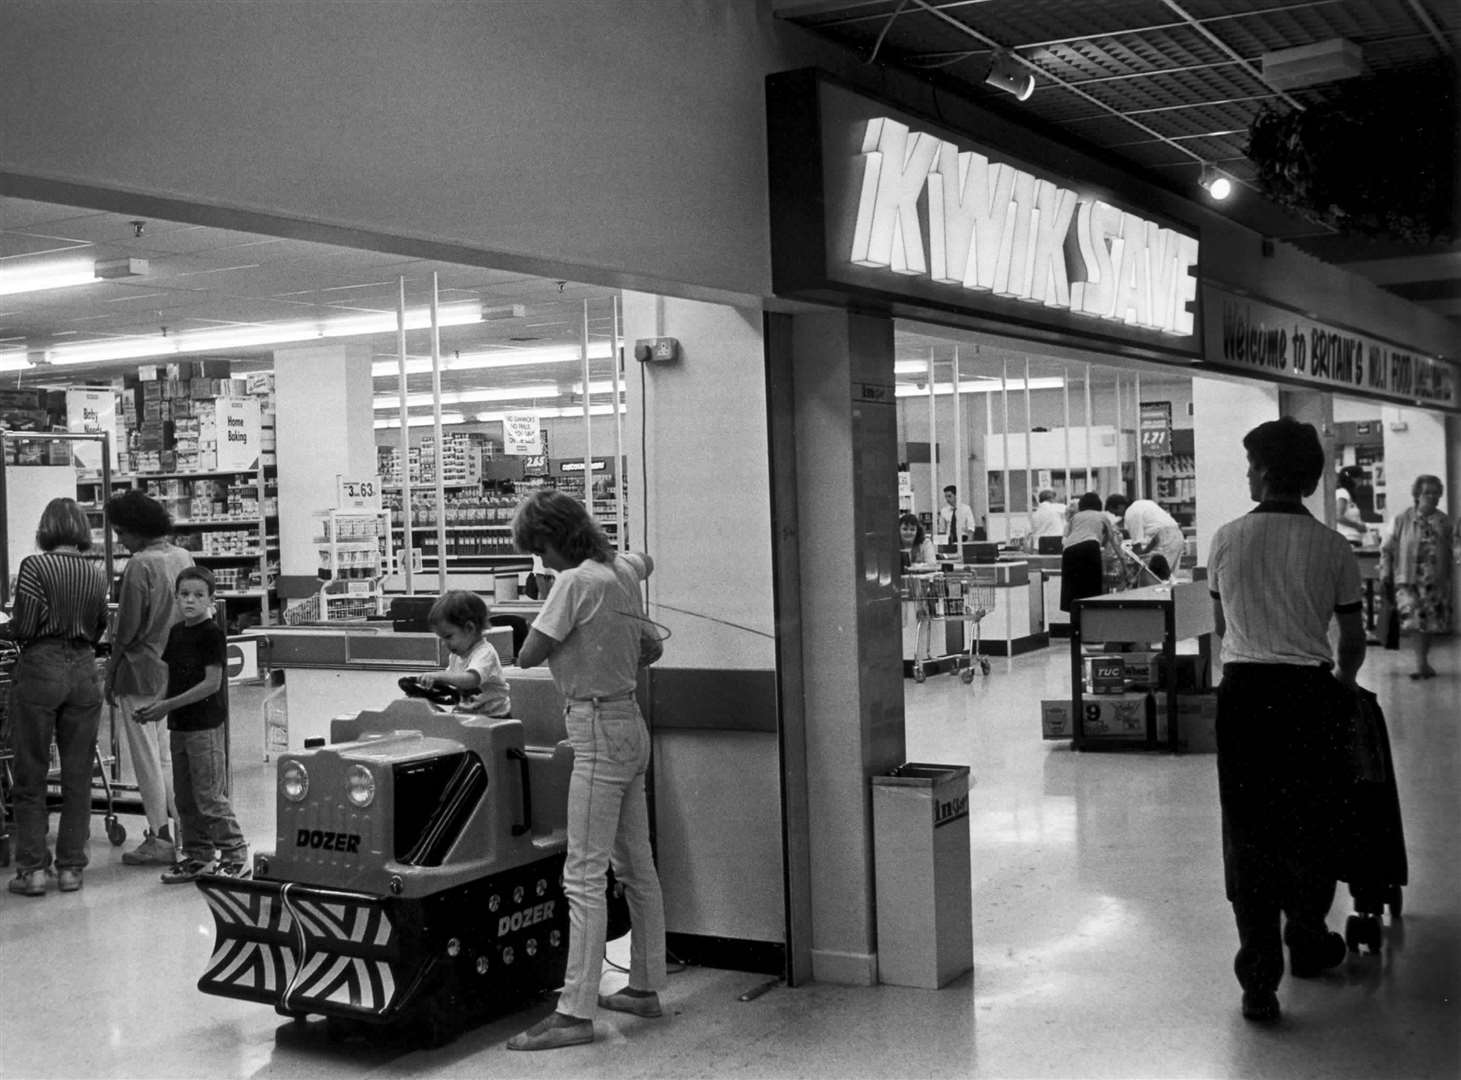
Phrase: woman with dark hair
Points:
(1418, 557)
(593, 633)
(1090, 554)
(912, 539)
(1278, 579)
(60, 614)
(136, 674)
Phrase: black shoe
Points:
(1260, 1006)
(1314, 958)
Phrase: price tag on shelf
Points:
(362, 494)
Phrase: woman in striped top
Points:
(60, 614)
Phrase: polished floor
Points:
(1102, 940)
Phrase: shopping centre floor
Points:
(1102, 941)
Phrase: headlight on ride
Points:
(293, 781)
(360, 786)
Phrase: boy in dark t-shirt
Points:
(196, 708)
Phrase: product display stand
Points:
(1158, 613)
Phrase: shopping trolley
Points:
(941, 597)
(102, 782)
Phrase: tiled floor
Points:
(1103, 943)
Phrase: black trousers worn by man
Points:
(1280, 784)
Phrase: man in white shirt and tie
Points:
(956, 519)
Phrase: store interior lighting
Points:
(504, 358)
(984, 386)
(30, 276)
(550, 413)
(1217, 185)
(1009, 75)
(184, 342)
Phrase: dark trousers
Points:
(1279, 781)
(1080, 572)
(55, 695)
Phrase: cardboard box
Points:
(179, 370)
(1118, 717)
(1196, 721)
(210, 369)
(1194, 675)
(1106, 674)
(152, 390)
(1123, 719)
(147, 372)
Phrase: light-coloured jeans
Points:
(55, 695)
(200, 785)
(608, 819)
(151, 757)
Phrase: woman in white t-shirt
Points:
(594, 636)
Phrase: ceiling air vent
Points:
(1311, 65)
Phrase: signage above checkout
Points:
(1260, 339)
(874, 207)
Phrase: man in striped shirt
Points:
(1277, 578)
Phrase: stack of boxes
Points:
(1123, 688)
(167, 415)
(462, 455)
(39, 411)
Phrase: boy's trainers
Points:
(233, 870)
(153, 851)
(182, 871)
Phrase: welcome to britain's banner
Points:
(1272, 343)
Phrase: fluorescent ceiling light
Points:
(21, 278)
(387, 403)
(562, 412)
(505, 358)
(65, 273)
(256, 336)
(984, 386)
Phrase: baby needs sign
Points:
(1260, 339)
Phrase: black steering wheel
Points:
(437, 695)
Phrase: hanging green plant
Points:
(1378, 159)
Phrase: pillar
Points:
(324, 428)
(838, 424)
(1223, 411)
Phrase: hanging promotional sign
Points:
(1272, 343)
(360, 494)
(239, 433)
(91, 411)
(522, 434)
(1156, 429)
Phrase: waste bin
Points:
(921, 855)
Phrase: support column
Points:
(844, 420)
(1223, 412)
(325, 427)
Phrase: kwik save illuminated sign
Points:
(927, 208)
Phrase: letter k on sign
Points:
(895, 171)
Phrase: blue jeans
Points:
(56, 694)
(608, 819)
(200, 786)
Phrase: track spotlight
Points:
(1009, 75)
(1217, 185)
